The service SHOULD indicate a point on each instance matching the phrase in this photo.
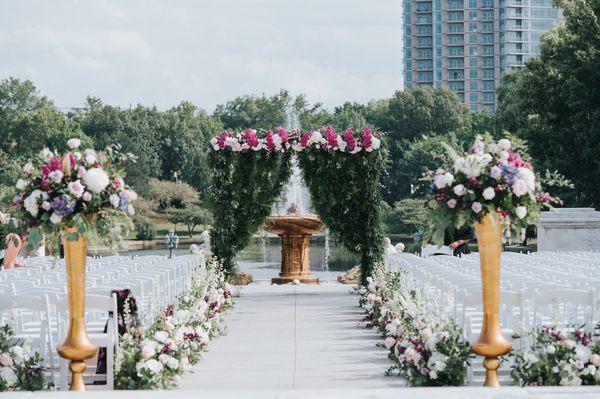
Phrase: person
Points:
(459, 240)
(388, 247)
(13, 247)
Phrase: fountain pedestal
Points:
(295, 232)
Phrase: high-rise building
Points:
(465, 45)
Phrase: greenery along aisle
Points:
(342, 173)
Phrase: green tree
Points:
(170, 194)
(408, 216)
(553, 101)
(190, 216)
(256, 112)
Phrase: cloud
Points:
(163, 52)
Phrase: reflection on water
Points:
(263, 262)
(340, 259)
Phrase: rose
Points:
(550, 349)
(154, 366)
(46, 206)
(504, 144)
(451, 203)
(568, 344)
(96, 180)
(161, 336)
(172, 363)
(519, 187)
(148, 350)
(528, 177)
(21, 184)
(476, 207)
(390, 342)
(459, 190)
(8, 375)
(6, 360)
(76, 188)
(87, 197)
(28, 168)
(114, 200)
(489, 193)
(73, 143)
(55, 218)
(595, 359)
(56, 176)
(45, 155)
(496, 172)
(164, 358)
(521, 212)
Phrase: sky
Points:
(163, 52)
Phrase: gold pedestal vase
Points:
(491, 343)
(77, 346)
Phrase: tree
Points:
(190, 216)
(168, 194)
(553, 101)
(408, 216)
(256, 112)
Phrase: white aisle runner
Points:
(293, 337)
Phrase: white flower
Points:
(28, 168)
(129, 195)
(528, 177)
(130, 210)
(86, 196)
(45, 155)
(531, 358)
(31, 203)
(21, 184)
(148, 350)
(56, 176)
(375, 143)
(496, 172)
(489, 193)
(46, 206)
(73, 143)
(8, 375)
(389, 342)
(6, 360)
(437, 362)
(114, 200)
(164, 358)
(152, 365)
(595, 359)
(451, 203)
(443, 179)
(504, 144)
(568, 343)
(173, 363)
(476, 207)
(551, 349)
(76, 188)
(460, 190)
(55, 218)
(519, 187)
(96, 180)
(521, 211)
(583, 353)
(426, 333)
(161, 336)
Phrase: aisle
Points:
(293, 337)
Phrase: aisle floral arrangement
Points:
(492, 177)
(426, 347)
(156, 358)
(558, 356)
(20, 367)
(280, 140)
(76, 188)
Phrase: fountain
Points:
(294, 221)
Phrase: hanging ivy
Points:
(342, 173)
(243, 188)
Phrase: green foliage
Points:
(553, 101)
(243, 188)
(172, 194)
(257, 112)
(345, 192)
(408, 216)
(190, 216)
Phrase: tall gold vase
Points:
(77, 346)
(491, 343)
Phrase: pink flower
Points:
(283, 133)
(76, 188)
(304, 140)
(519, 187)
(350, 139)
(6, 360)
(476, 207)
(87, 197)
(331, 137)
(251, 138)
(224, 137)
(367, 137)
(269, 140)
(496, 172)
(451, 203)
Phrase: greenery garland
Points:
(345, 192)
(243, 188)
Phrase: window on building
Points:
(472, 39)
(488, 38)
(488, 50)
(473, 15)
(488, 27)
(487, 4)
(472, 3)
(488, 62)
(488, 74)
(473, 74)
(488, 97)
(455, 5)
(472, 27)
(473, 97)
(424, 41)
(473, 85)
(455, 16)
(424, 19)
(455, 39)
(488, 85)
(455, 28)
(455, 51)
(473, 50)
(425, 64)
(472, 62)
(456, 86)
(487, 15)
(424, 53)
(425, 76)
(456, 63)
(456, 75)
(423, 6)
(424, 30)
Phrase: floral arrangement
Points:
(558, 356)
(427, 348)
(157, 358)
(281, 140)
(74, 188)
(20, 368)
(492, 177)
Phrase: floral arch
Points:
(341, 170)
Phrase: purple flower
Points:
(62, 206)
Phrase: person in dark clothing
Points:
(459, 240)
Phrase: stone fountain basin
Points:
(294, 224)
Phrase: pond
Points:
(262, 258)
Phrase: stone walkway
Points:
(293, 337)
